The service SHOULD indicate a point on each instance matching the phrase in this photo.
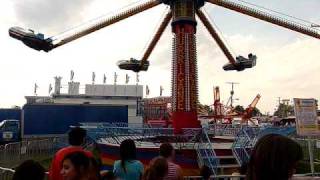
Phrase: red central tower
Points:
(184, 64)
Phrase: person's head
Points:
(127, 151)
(274, 157)
(94, 170)
(157, 169)
(76, 136)
(205, 172)
(243, 169)
(167, 150)
(109, 176)
(31, 169)
(75, 166)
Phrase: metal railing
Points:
(217, 177)
(224, 129)
(243, 177)
(6, 174)
(206, 153)
(13, 154)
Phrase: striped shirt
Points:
(173, 171)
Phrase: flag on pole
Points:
(71, 75)
(147, 90)
(161, 89)
(104, 78)
(127, 78)
(35, 88)
(137, 78)
(93, 77)
(115, 78)
(50, 88)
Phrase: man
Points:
(76, 138)
(174, 170)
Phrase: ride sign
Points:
(307, 123)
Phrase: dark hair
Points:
(30, 169)
(205, 172)
(79, 160)
(108, 176)
(76, 136)
(166, 150)
(157, 170)
(94, 169)
(127, 152)
(274, 157)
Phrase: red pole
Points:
(184, 67)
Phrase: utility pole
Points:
(286, 104)
(279, 101)
(231, 93)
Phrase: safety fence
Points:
(224, 129)
(311, 153)
(315, 176)
(13, 154)
(6, 174)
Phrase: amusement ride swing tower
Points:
(184, 59)
(184, 64)
(184, 79)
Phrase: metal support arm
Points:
(106, 22)
(266, 17)
(156, 38)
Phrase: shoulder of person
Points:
(173, 164)
(137, 162)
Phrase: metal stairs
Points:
(248, 136)
(205, 152)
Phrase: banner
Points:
(307, 123)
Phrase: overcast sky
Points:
(288, 63)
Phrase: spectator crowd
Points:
(274, 157)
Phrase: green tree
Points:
(239, 109)
(284, 110)
(256, 112)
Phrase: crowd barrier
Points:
(13, 154)
(6, 174)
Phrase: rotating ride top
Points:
(184, 60)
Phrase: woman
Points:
(29, 169)
(75, 166)
(274, 157)
(157, 170)
(128, 168)
(205, 172)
